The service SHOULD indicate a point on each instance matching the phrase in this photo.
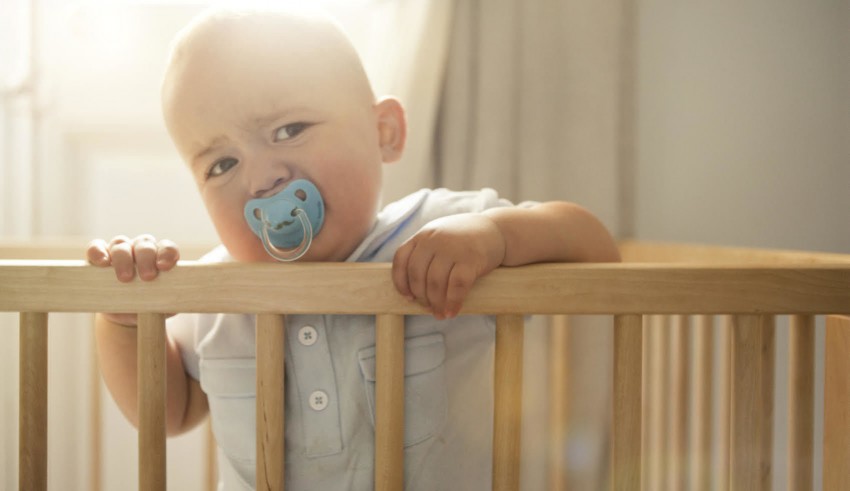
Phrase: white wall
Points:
(743, 123)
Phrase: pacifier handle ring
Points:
(295, 253)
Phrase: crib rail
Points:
(751, 294)
(344, 288)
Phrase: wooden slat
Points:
(210, 458)
(836, 421)
(95, 419)
(657, 386)
(389, 402)
(724, 406)
(678, 402)
(646, 394)
(747, 426)
(507, 418)
(559, 393)
(151, 368)
(801, 402)
(32, 439)
(346, 288)
(271, 335)
(626, 442)
(768, 360)
(701, 403)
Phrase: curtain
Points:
(535, 104)
(404, 46)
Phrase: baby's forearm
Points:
(116, 351)
(553, 232)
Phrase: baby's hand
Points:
(144, 254)
(438, 266)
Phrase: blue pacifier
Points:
(287, 221)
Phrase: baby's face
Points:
(249, 118)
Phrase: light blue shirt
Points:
(330, 379)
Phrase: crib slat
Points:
(507, 417)
(96, 421)
(628, 405)
(270, 399)
(701, 416)
(32, 427)
(559, 390)
(389, 402)
(724, 403)
(768, 358)
(747, 459)
(657, 390)
(836, 441)
(801, 405)
(678, 402)
(151, 368)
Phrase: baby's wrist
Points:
(122, 320)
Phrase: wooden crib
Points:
(657, 285)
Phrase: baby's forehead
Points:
(242, 33)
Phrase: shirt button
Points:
(308, 336)
(318, 400)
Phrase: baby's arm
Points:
(439, 265)
(115, 335)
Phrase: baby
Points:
(273, 111)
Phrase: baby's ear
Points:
(392, 128)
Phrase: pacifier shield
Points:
(278, 214)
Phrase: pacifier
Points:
(287, 221)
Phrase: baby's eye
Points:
(221, 166)
(289, 131)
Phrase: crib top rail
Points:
(357, 288)
(670, 252)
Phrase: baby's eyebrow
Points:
(216, 142)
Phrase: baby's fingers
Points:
(145, 256)
(461, 280)
(121, 253)
(436, 285)
(167, 255)
(97, 253)
(399, 273)
(153, 256)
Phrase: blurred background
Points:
(723, 122)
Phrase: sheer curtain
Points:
(404, 45)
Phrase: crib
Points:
(661, 295)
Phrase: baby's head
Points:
(254, 100)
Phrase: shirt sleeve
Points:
(182, 328)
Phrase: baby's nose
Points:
(262, 191)
(268, 181)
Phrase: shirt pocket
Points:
(425, 393)
(230, 385)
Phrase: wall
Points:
(743, 123)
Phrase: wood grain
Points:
(270, 402)
(344, 288)
(32, 424)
